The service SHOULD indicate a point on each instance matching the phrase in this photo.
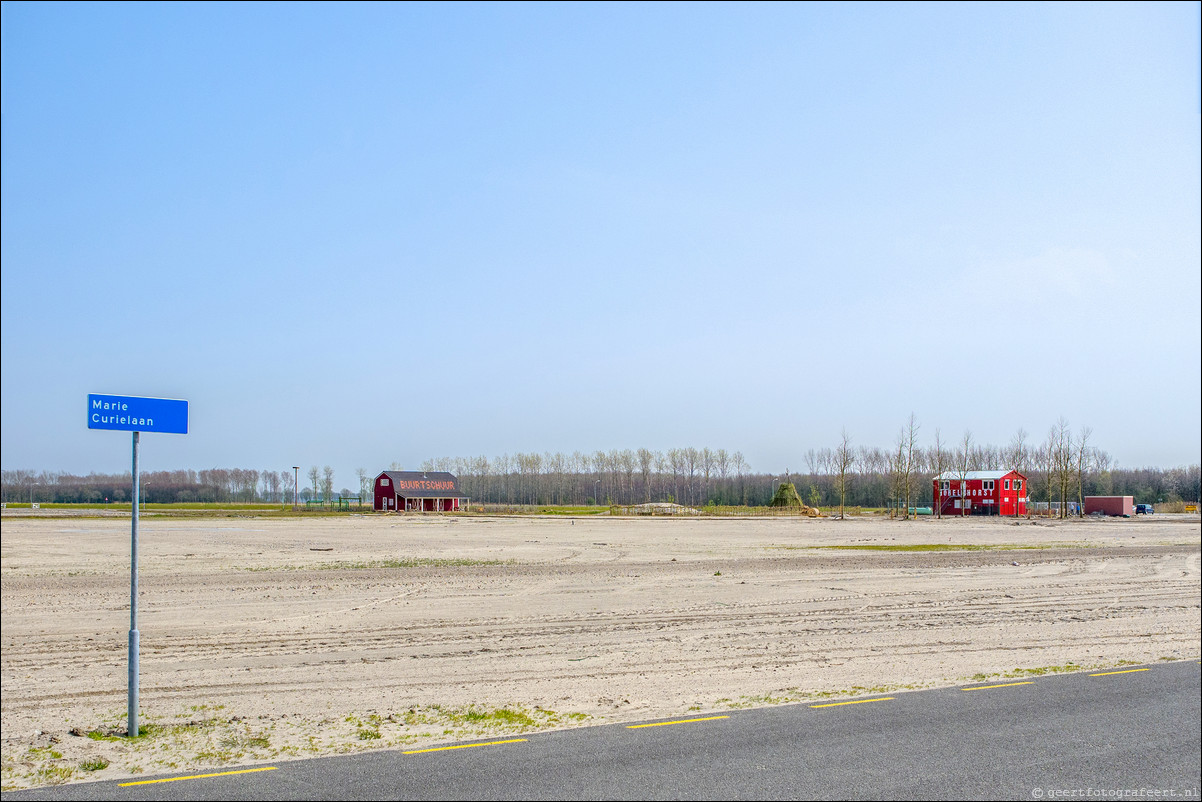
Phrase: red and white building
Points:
(417, 491)
(980, 493)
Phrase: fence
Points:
(1051, 509)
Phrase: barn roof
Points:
(948, 476)
(424, 484)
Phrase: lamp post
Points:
(295, 485)
(597, 492)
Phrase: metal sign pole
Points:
(133, 729)
(128, 413)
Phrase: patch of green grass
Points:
(44, 752)
(513, 718)
(566, 510)
(474, 719)
(1067, 668)
(502, 717)
(216, 741)
(53, 775)
(231, 747)
(97, 735)
(144, 731)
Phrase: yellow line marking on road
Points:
(666, 723)
(1128, 671)
(195, 777)
(857, 702)
(463, 746)
(987, 687)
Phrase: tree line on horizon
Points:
(1062, 468)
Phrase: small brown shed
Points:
(1110, 505)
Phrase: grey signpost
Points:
(135, 414)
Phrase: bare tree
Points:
(646, 462)
(963, 463)
(910, 434)
(722, 462)
(845, 459)
(1062, 454)
(327, 483)
(741, 466)
(1018, 454)
(1055, 458)
(894, 460)
(291, 485)
(1083, 459)
(940, 460)
(1104, 479)
(314, 476)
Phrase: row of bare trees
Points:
(690, 476)
(213, 485)
(1063, 467)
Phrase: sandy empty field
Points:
(264, 639)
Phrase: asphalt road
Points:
(1129, 734)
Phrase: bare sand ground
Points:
(265, 639)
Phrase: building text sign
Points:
(127, 413)
(427, 484)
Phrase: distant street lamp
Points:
(295, 485)
(597, 493)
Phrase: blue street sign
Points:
(132, 414)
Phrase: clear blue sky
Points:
(359, 234)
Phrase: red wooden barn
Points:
(980, 493)
(416, 491)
